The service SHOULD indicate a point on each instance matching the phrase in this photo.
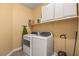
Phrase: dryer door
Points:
(39, 47)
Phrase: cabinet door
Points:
(58, 10)
(70, 9)
(48, 12)
(38, 47)
(44, 13)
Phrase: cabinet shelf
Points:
(58, 11)
(56, 19)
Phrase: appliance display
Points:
(38, 45)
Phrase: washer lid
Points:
(36, 33)
(45, 34)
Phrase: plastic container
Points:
(29, 22)
(38, 21)
(33, 23)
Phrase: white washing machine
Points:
(40, 45)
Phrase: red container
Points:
(33, 23)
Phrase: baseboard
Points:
(14, 50)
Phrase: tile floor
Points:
(19, 53)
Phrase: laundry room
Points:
(39, 29)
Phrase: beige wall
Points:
(37, 12)
(12, 17)
(68, 26)
(21, 14)
(5, 28)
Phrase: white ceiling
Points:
(32, 5)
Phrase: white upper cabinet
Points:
(48, 12)
(54, 11)
(59, 10)
(70, 9)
